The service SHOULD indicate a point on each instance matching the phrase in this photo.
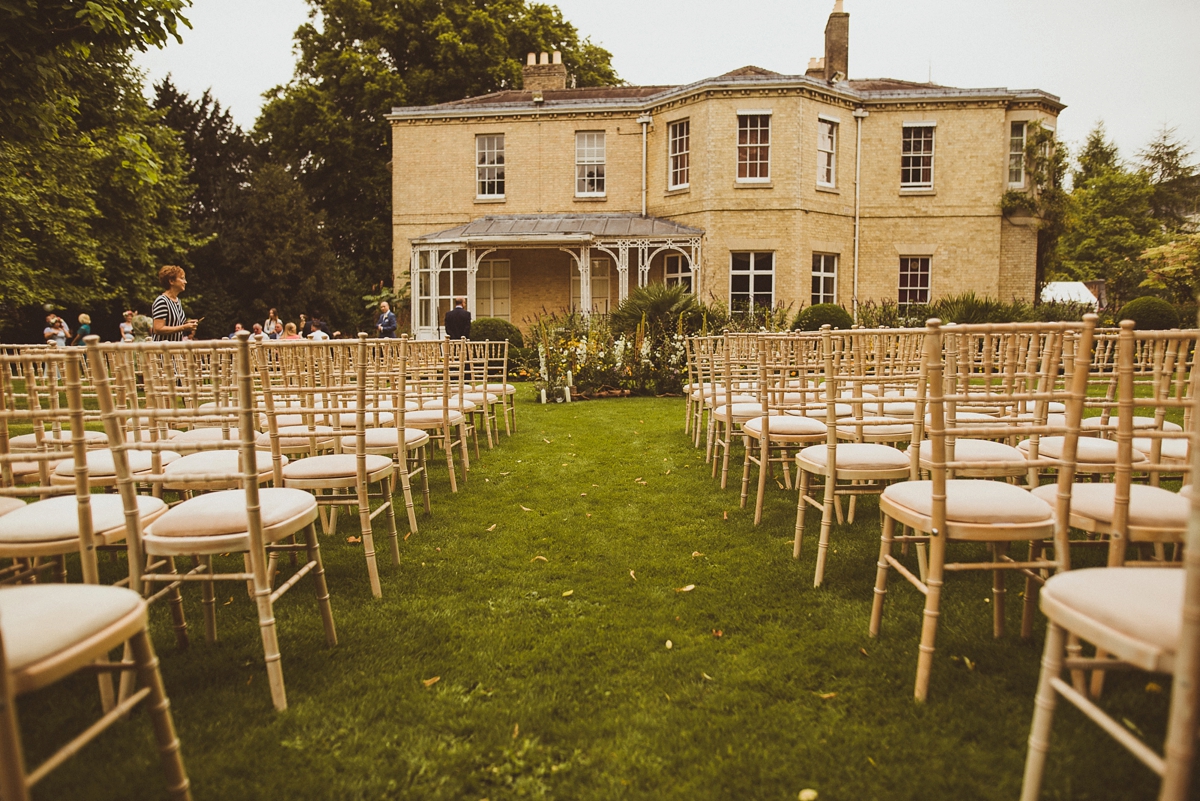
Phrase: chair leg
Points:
(266, 627)
(465, 457)
(12, 758)
(178, 620)
(314, 555)
(368, 539)
(998, 591)
(1043, 714)
(159, 708)
(764, 463)
(801, 508)
(389, 515)
(209, 602)
(746, 477)
(424, 479)
(929, 622)
(449, 448)
(881, 574)
(826, 527)
(406, 486)
(1032, 589)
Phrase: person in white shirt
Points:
(258, 335)
(318, 335)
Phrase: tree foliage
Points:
(1175, 267)
(1046, 198)
(44, 46)
(367, 56)
(1176, 184)
(86, 217)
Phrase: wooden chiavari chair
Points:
(946, 510)
(252, 521)
(496, 382)
(429, 364)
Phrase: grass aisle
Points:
(542, 597)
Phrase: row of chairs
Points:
(208, 449)
(1054, 435)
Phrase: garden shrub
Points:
(493, 329)
(822, 314)
(1149, 314)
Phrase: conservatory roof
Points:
(550, 229)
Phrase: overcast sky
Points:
(1134, 65)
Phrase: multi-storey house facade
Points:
(752, 187)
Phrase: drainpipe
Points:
(645, 120)
(859, 115)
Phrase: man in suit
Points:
(386, 326)
(458, 320)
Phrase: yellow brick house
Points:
(750, 187)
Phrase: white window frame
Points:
(906, 165)
(753, 272)
(924, 264)
(827, 156)
(822, 272)
(591, 151)
(677, 269)
(761, 166)
(679, 151)
(486, 283)
(603, 276)
(1016, 152)
(489, 166)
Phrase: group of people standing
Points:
(168, 322)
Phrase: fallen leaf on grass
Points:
(967, 661)
(504, 474)
(1129, 724)
(565, 464)
(725, 515)
(667, 473)
(808, 794)
(696, 553)
(872, 762)
(863, 651)
(516, 730)
(688, 588)
(492, 527)
(545, 440)
(632, 576)
(589, 514)
(406, 536)
(526, 509)
(583, 495)
(568, 593)
(1152, 687)
(779, 483)
(706, 677)
(249, 679)
(718, 633)
(825, 696)
(639, 478)
(539, 558)
(431, 682)
(227, 603)
(670, 645)
(595, 485)
(353, 539)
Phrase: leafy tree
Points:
(87, 217)
(328, 125)
(1046, 199)
(1098, 155)
(45, 45)
(1176, 185)
(1175, 267)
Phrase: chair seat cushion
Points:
(144, 435)
(57, 518)
(1139, 422)
(973, 501)
(1151, 507)
(875, 427)
(1136, 613)
(39, 621)
(966, 418)
(101, 465)
(858, 456)
(840, 410)
(208, 435)
(333, 465)
(1175, 450)
(1090, 450)
(1185, 491)
(976, 450)
(28, 442)
(504, 389)
(786, 426)
(196, 466)
(431, 418)
(459, 406)
(388, 438)
(736, 397)
(224, 513)
(8, 504)
(482, 397)
(296, 436)
(739, 411)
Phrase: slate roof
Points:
(534, 227)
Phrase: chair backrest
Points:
(942, 345)
(225, 366)
(33, 400)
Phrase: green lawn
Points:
(555, 676)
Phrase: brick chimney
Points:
(837, 43)
(541, 72)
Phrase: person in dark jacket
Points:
(458, 320)
(386, 325)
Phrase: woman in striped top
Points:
(170, 323)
